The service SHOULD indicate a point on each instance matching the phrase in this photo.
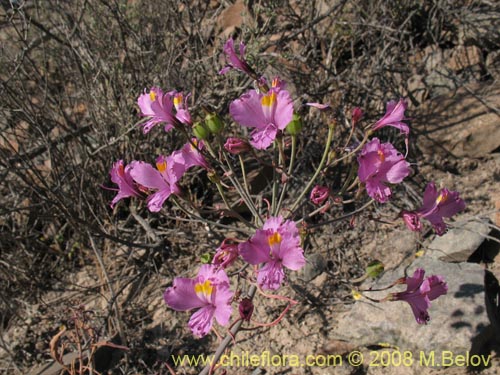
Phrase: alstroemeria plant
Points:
(265, 240)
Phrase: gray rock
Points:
(456, 318)
(459, 243)
(315, 265)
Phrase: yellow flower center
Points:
(205, 289)
(152, 96)
(269, 99)
(194, 144)
(161, 166)
(177, 100)
(274, 239)
(381, 155)
(121, 170)
(441, 198)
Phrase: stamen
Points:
(152, 96)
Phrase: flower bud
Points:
(319, 194)
(200, 131)
(246, 309)
(214, 123)
(236, 146)
(357, 113)
(374, 269)
(295, 126)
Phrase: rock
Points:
(315, 265)
(231, 18)
(461, 124)
(479, 28)
(416, 88)
(459, 243)
(465, 57)
(493, 64)
(456, 318)
(440, 82)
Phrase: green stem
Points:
(244, 174)
(276, 163)
(289, 172)
(331, 129)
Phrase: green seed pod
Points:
(295, 126)
(374, 269)
(214, 123)
(200, 131)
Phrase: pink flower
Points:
(236, 62)
(436, 206)
(159, 107)
(120, 175)
(419, 293)
(190, 156)
(268, 113)
(236, 146)
(276, 245)
(209, 292)
(319, 194)
(169, 170)
(379, 165)
(226, 254)
(163, 179)
(394, 116)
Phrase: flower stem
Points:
(289, 172)
(331, 129)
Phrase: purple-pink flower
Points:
(394, 116)
(190, 156)
(380, 165)
(436, 206)
(163, 179)
(419, 293)
(120, 175)
(276, 245)
(167, 108)
(235, 61)
(209, 292)
(226, 254)
(319, 194)
(268, 113)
